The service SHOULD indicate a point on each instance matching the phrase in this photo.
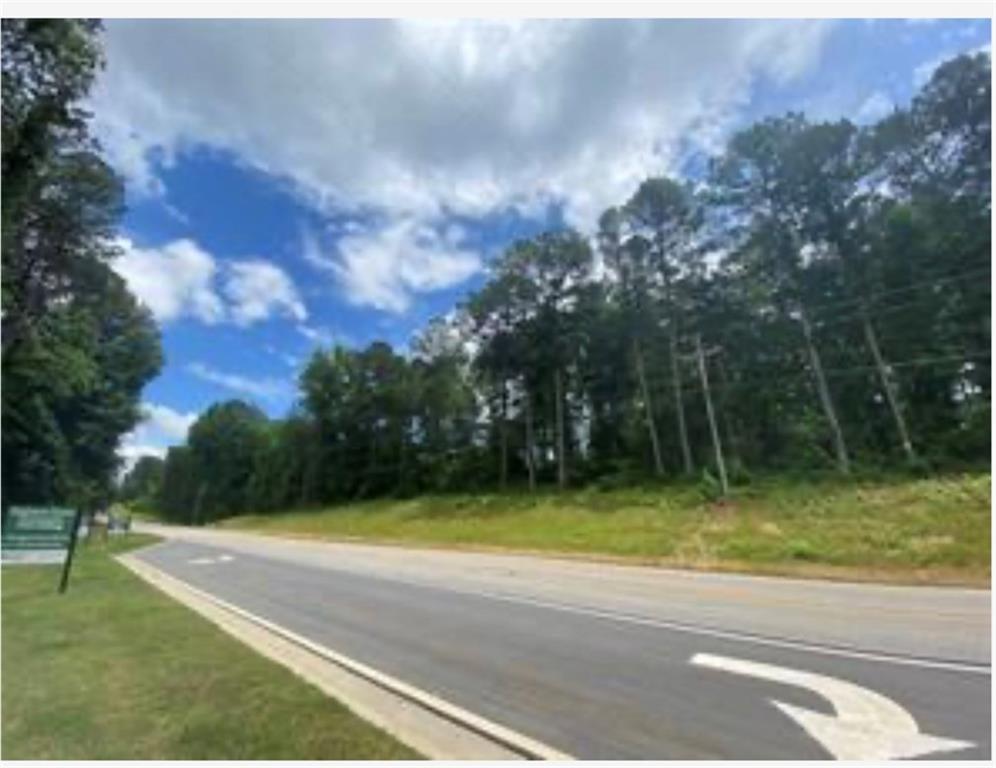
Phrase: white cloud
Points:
(173, 280)
(263, 388)
(181, 279)
(164, 420)
(418, 119)
(311, 249)
(873, 108)
(258, 289)
(384, 267)
(316, 334)
(160, 428)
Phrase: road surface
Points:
(616, 662)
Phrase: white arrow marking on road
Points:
(867, 726)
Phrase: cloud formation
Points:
(258, 289)
(181, 279)
(383, 267)
(160, 428)
(262, 388)
(410, 122)
(173, 280)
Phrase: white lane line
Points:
(867, 725)
(211, 560)
(677, 626)
(513, 740)
(743, 637)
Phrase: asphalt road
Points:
(617, 674)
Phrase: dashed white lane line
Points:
(211, 560)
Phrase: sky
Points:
(296, 184)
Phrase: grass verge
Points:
(899, 529)
(115, 670)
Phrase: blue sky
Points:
(296, 184)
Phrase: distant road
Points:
(606, 661)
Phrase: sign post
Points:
(64, 581)
(40, 535)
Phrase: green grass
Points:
(933, 530)
(115, 670)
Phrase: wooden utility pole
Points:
(503, 434)
(887, 384)
(561, 459)
(648, 408)
(716, 444)
(530, 451)
(679, 404)
(843, 462)
(840, 447)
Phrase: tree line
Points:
(77, 347)
(819, 298)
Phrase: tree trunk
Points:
(648, 408)
(679, 404)
(530, 441)
(843, 462)
(887, 384)
(559, 403)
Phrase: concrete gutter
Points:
(428, 724)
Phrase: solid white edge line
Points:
(499, 733)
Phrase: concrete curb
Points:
(428, 724)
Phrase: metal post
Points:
(64, 581)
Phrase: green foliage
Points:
(108, 671)
(854, 292)
(890, 527)
(77, 348)
(709, 486)
(141, 484)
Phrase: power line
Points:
(814, 310)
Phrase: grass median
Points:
(115, 670)
(893, 529)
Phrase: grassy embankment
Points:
(933, 530)
(115, 670)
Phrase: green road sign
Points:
(37, 535)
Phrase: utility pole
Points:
(887, 384)
(843, 462)
(503, 433)
(561, 459)
(530, 452)
(648, 408)
(716, 444)
(840, 447)
(679, 404)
